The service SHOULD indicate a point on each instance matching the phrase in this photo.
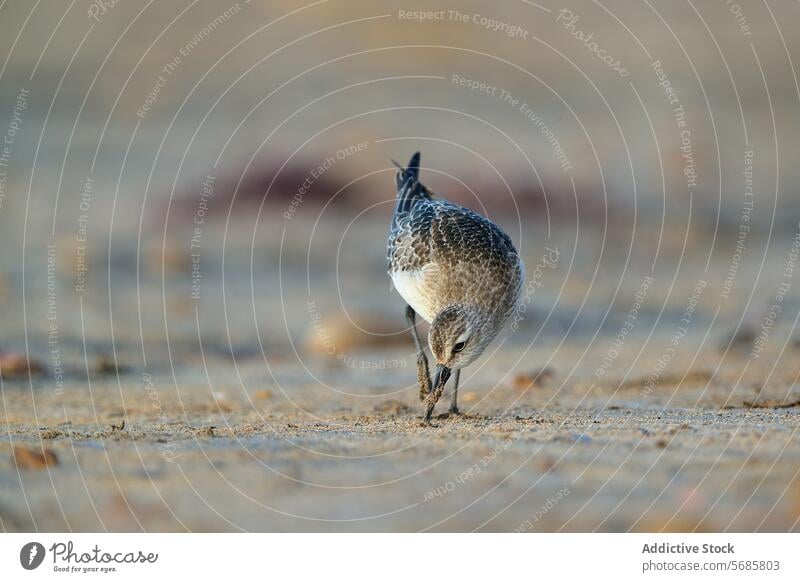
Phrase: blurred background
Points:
(194, 199)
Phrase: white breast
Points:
(415, 287)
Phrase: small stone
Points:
(105, 366)
(392, 407)
(30, 458)
(469, 397)
(336, 335)
(221, 402)
(526, 380)
(16, 366)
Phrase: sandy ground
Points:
(693, 457)
(220, 435)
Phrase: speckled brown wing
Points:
(478, 261)
(456, 256)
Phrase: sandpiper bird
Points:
(455, 268)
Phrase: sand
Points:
(137, 454)
(279, 414)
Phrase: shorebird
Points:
(456, 269)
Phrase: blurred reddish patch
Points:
(282, 189)
(286, 190)
(33, 458)
(15, 365)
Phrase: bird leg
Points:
(423, 373)
(453, 402)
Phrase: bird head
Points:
(457, 338)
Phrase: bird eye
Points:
(458, 347)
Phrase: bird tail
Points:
(409, 189)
